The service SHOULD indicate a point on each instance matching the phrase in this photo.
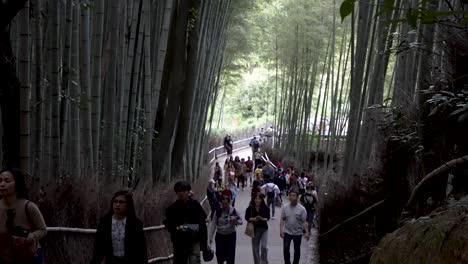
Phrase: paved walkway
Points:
(275, 243)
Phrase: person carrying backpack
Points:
(271, 190)
(255, 145)
(223, 230)
(22, 225)
(280, 180)
(309, 201)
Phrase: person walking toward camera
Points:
(119, 236)
(185, 221)
(21, 222)
(223, 229)
(258, 214)
(249, 170)
(293, 224)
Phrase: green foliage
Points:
(346, 8)
(263, 35)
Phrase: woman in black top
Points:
(258, 213)
(119, 237)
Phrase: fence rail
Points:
(217, 152)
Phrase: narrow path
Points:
(275, 243)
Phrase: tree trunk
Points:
(85, 99)
(25, 89)
(75, 95)
(109, 124)
(98, 39)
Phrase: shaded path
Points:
(275, 243)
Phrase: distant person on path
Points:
(212, 197)
(249, 170)
(271, 191)
(258, 213)
(119, 236)
(241, 176)
(238, 169)
(185, 221)
(21, 222)
(223, 229)
(268, 172)
(292, 226)
(258, 159)
(228, 145)
(218, 174)
(259, 175)
(255, 189)
(231, 186)
(296, 184)
(230, 171)
(309, 201)
(255, 145)
(282, 183)
(261, 134)
(269, 133)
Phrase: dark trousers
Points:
(240, 179)
(225, 248)
(297, 248)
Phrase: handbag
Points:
(22, 254)
(250, 229)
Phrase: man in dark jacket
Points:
(185, 220)
(228, 145)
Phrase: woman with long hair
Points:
(21, 222)
(258, 213)
(119, 237)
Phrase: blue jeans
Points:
(297, 248)
(226, 248)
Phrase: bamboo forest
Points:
(226, 131)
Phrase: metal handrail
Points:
(150, 228)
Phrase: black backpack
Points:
(271, 194)
(307, 204)
(256, 144)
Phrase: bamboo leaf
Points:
(346, 8)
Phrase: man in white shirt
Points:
(292, 226)
(271, 190)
